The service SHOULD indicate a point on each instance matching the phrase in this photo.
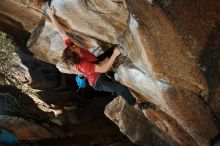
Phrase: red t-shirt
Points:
(87, 64)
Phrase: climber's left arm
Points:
(51, 13)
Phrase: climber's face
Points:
(76, 50)
(71, 56)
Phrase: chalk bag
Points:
(81, 81)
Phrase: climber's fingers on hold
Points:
(119, 49)
(50, 10)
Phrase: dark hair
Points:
(70, 57)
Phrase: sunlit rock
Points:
(170, 58)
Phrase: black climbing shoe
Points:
(146, 105)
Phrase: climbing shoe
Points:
(146, 105)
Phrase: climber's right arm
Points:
(103, 68)
(50, 11)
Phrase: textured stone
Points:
(145, 43)
(135, 126)
(172, 60)
(25, 130)
(24, 14)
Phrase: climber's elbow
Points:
(100, 69)
(63, 35)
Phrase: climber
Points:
(86, 63)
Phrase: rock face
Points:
(172, 59)
(17, 18)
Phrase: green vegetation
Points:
(7, 53)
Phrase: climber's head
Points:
(71, 56)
